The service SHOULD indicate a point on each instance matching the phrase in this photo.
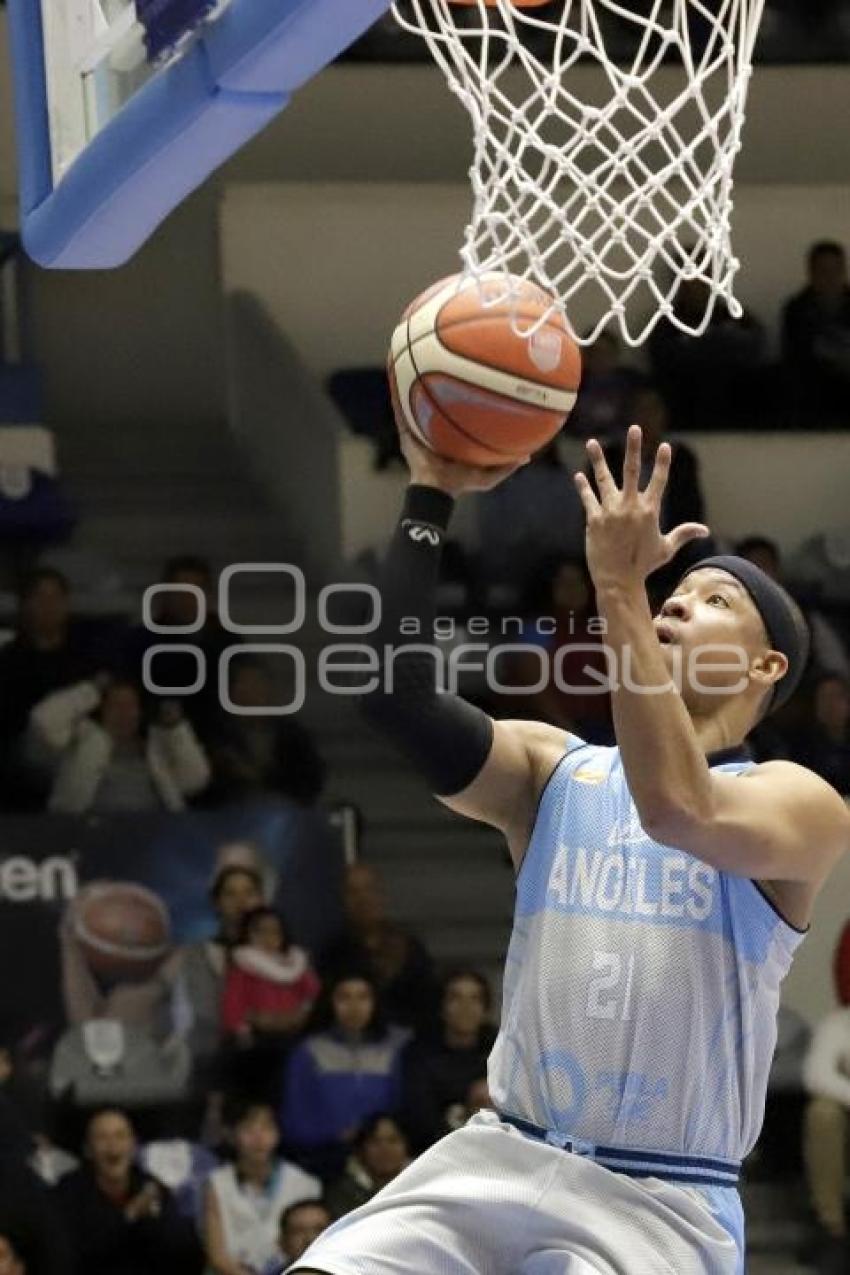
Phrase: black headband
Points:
(782, 618)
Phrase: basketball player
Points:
(662, 888)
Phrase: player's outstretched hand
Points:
(624, 540)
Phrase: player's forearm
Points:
(664, 763)
(446, 739)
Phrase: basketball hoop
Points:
(608, 205)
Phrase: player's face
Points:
(301, 1228)
(111, 1145)
(710, 633)
(256, 1137)
(353, 1005)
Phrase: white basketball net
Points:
(608, 204)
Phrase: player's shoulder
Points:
(798, 784)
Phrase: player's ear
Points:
(769, 668)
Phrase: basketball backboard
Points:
(125, 106)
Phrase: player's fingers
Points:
(631, 462)
(657, 484)
(605, 484)
(586, 495)
(684, 534)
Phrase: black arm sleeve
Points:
(447, 739)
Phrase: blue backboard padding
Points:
(172, 133)
(176, 130)
(260, 48)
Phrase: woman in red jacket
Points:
(269, 991)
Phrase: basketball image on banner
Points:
(482, 373)
(123, 929)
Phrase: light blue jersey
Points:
(641, 985)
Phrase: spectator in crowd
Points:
(394, 959)
(439, 1068)
(107, 759)
(254, 753)
(816, 337)
(11, 1261)
(47, 653)
(536, 514)
(29, 1220)
(561, 623)
(18, 1103)
(301, 1224)
(119, 1219)
(199, 970)
(244, 1199)
(821, 567)
(824, 745)
(606, 392)
(828, 650)
(826, 1079)
(269, 991)
(23, 1119)
(342, 1073)
(709, 381)
(379, 1152)
(270, 986)
(179, 607)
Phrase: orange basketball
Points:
(471, 378)
(123, 930)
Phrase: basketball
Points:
(467, 380)
(123, 930)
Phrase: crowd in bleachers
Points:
(315, 1077)
(79, 733)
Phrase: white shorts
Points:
(488, 1200)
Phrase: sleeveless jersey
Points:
(641, 985)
